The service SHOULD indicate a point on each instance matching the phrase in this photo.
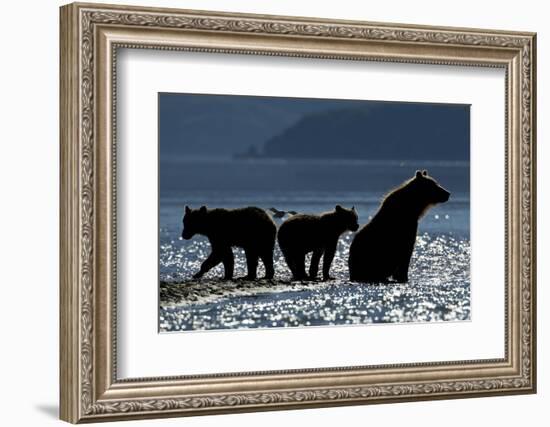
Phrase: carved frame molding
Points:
(90, 36)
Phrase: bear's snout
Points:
(186, 235)
(445, 196)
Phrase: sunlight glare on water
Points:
(438, 290)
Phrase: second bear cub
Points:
(302, 234)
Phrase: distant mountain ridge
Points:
(222, 125)
(381, 131)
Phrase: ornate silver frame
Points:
(90, 36)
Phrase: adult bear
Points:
(249, 228)
(302, 234)
(383, 247)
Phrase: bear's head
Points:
(194, 222)
(347, 218)
(427, 191)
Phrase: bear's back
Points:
(240, 226)
(301, 228)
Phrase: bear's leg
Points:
(228, 263)
(288, 257)
(363, 271)
(314, 265)
(267, 259)
(215, 257)
(251, 264)
(353, 273)
(296, 263)
(359, 270)
(367, 264)
(401, 272)
(366, 272)
(356, 261)
(327, 260)
(301, 266)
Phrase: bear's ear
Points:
(425, 172)
(187, 209)
(339, 208)
(353, 208)
(418, 174)
(203, 209)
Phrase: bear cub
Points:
(383, 247)
(302, 234)
(249, 228)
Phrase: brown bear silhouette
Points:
(383, 247)
(249, 228)
(302, 234)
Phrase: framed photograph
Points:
(266, 212)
